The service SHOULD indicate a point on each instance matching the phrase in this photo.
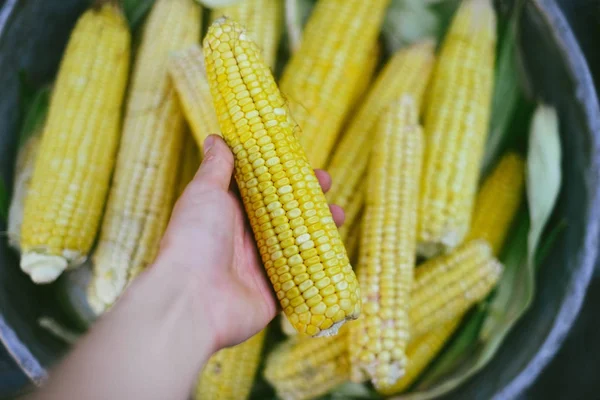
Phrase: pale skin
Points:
(206, 290)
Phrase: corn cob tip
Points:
(43, 268)
(434, 248)
(333, 330)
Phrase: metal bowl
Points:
(33, 34)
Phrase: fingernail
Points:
(209, 142)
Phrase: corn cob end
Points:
(334, 329)
(448, 242)
(43, 268)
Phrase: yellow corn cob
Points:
(307, 368)
(421, 352)
(189, 76)
(190, 162)
(498, 201)
(143, 187)
(23, 173)
(406, 73)
(295, 232)
(456, 125)
(76, 156)
(229, 373)
(353, 209)
(322, 75)
(361, 89)
(447, 286)
(388, 247)
(350, 236)
(286, 326)
(262, 20)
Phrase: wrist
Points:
(179, 306)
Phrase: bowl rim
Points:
(586, 95)
(578, 69)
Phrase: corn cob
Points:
(421, 352)
(31, 137)
(23, 174)
(189, 77)
(447, 286)
(361, 89)
(498, 201)
(456, 125)
(76, 156)
(229, 373)
(143, 187)
(406, 73)
(388, 247)
(286, 326)
(190, 162)
(295, 232)
(307, 368)
(262, 20)
(321, 77)
(350, 237)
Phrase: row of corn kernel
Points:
(387, 252)
(143, 188)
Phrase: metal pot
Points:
(33, 34)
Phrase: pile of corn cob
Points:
(407, 189)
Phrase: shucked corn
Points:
(229, 373)
(72, 172)
(33, 127)
(294, 230)
(320, 79)
(388, 247)
(143, 187)
(456, 125)
(189, 77)
(302, 369)
(407, 72)
(466, 275)
(420, 352)
(498, 201)
(262, 20)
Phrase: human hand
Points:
(209, 241)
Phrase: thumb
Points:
(217, 164)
